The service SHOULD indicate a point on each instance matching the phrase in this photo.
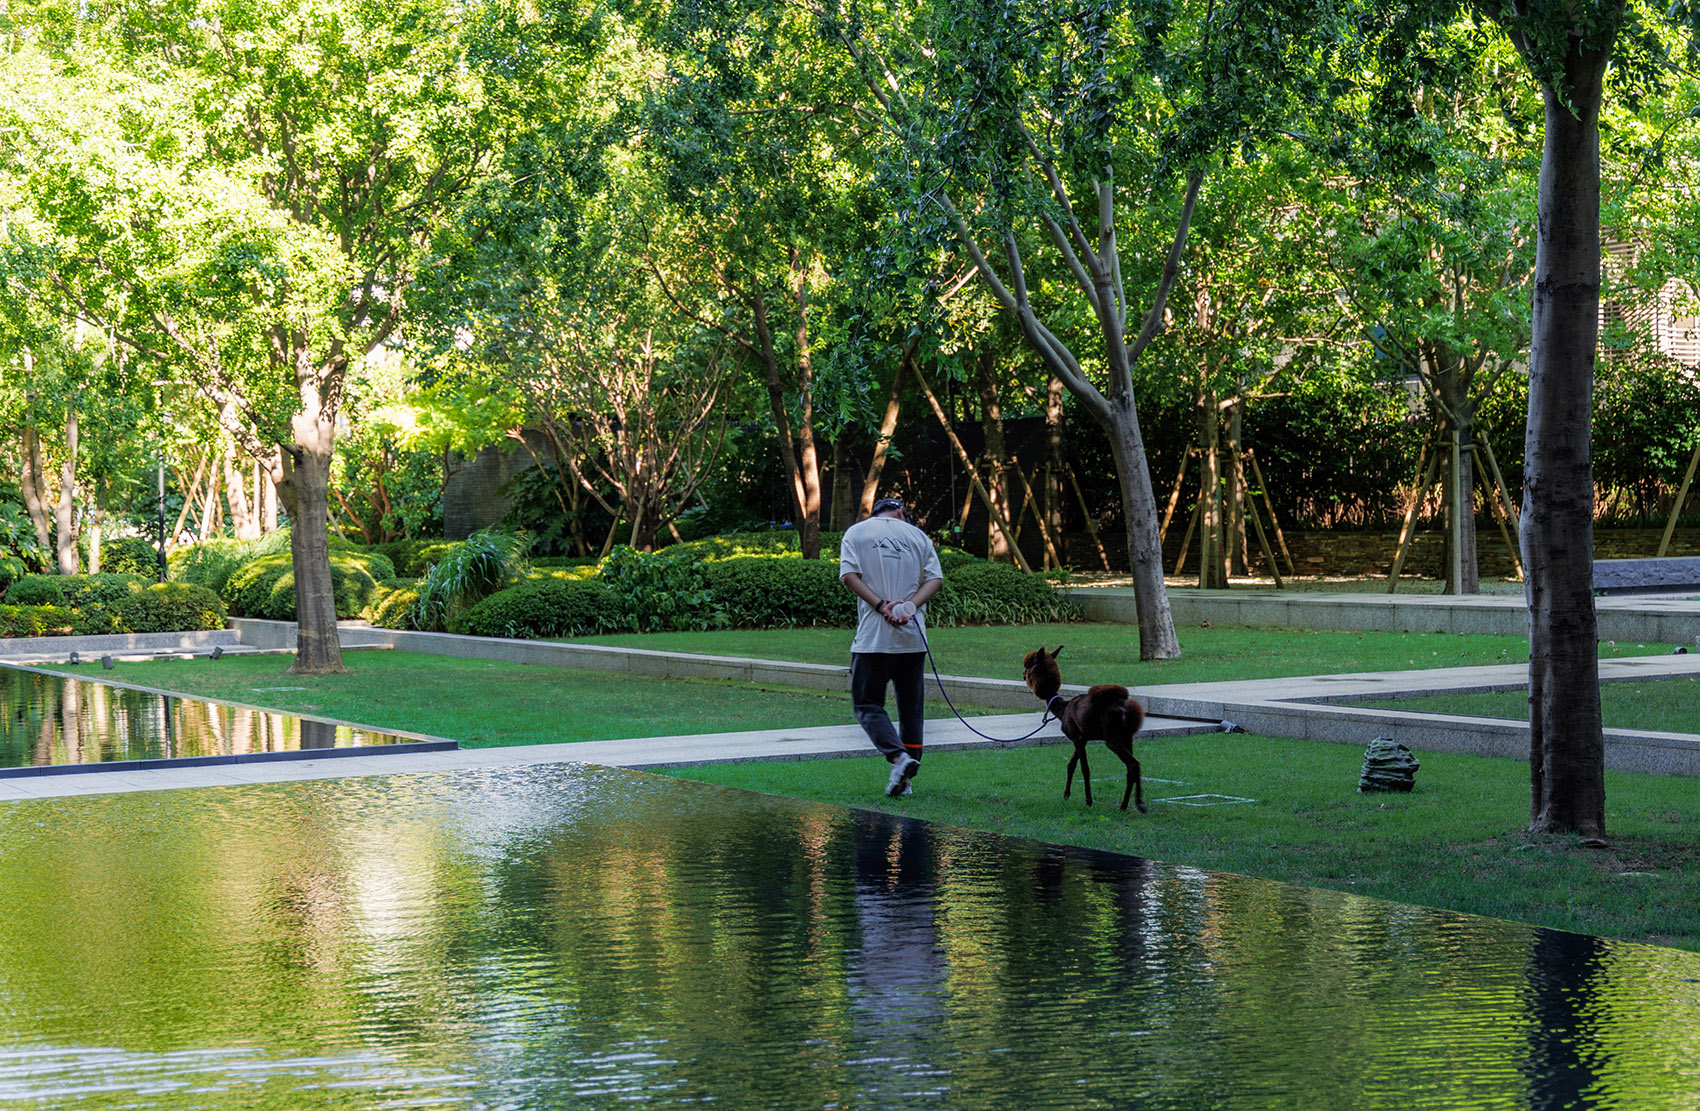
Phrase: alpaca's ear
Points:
(1057, 653)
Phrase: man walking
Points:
(886, 561)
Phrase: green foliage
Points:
(467, 573)
(985, 593)
(539, 609)
(414, 556)
(265, 587)
(37, 590)
(561, 562)
(72, 590)
(760, 592)
(129, 555)
(1647, 418)
(169, 607)
(37, 621)
(665, 590)
(392, 604)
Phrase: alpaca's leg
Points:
(1079, 757)
(1135, 785)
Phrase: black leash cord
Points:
(1044, 721)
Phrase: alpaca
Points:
(1104, 713)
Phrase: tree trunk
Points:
(795, 464)
(1157, 639)
(808, 524)
(1566, 739)
(1463, 565)
(1055, 462)
(305, 492)
(265, 494)
(1211, 551)
(244, 519)
(65, 510)
(997, 454)
(888, 425)
(34, 487)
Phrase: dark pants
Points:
(869, 674)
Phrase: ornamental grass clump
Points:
(467, 573)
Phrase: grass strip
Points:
(1101, 652)
(486, 703)
(1663, 706)
(1455, 842)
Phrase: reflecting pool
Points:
(569, 937)
(49, 720)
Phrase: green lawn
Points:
(482, 704)
(1109, 653)
(1664, 706)
(1454, 842)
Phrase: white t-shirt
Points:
(894, 558)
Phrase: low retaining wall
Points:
(1427, 613)
(1003, 694)
(115, 643)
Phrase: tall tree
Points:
(241, 198)
(1004, 117)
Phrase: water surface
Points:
(49, 720)
(564, 937)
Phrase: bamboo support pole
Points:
(1426, 465)
(1256, 521)
(1086, 512)
(1032, 506)
(1681, 496)
(1269, 506)
(962, 453)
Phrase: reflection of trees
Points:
(562, 937)
(46, 719)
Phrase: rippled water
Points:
(50, 720)
(561, 937)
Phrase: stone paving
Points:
(1293, 707)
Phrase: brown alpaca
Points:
(1104, 713)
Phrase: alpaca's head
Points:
(1040, 671)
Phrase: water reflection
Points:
(564, 937)
(50, 720)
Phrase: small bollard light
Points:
(218, 650)
(75, 659)
(106, 662)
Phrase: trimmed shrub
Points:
(559, 562)
(170, 608)
(764, 592)
(982, 593)
(391, 606)
(37, 590)
(129, 555)
(36, 621)
(210, 564)
(413, 557)
(732, 545)
(265, 587)
(72, 590)
(549, 608)
(663, 591)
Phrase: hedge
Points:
(411, 557)
(391, 604)
(170, 608)
(129, 555)
(765, 592)
(544, 608)
(265, 587)
(72, 590)
(56, 621)
(982, 593)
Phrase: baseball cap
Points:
(885, 505)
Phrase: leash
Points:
(1044, 721)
